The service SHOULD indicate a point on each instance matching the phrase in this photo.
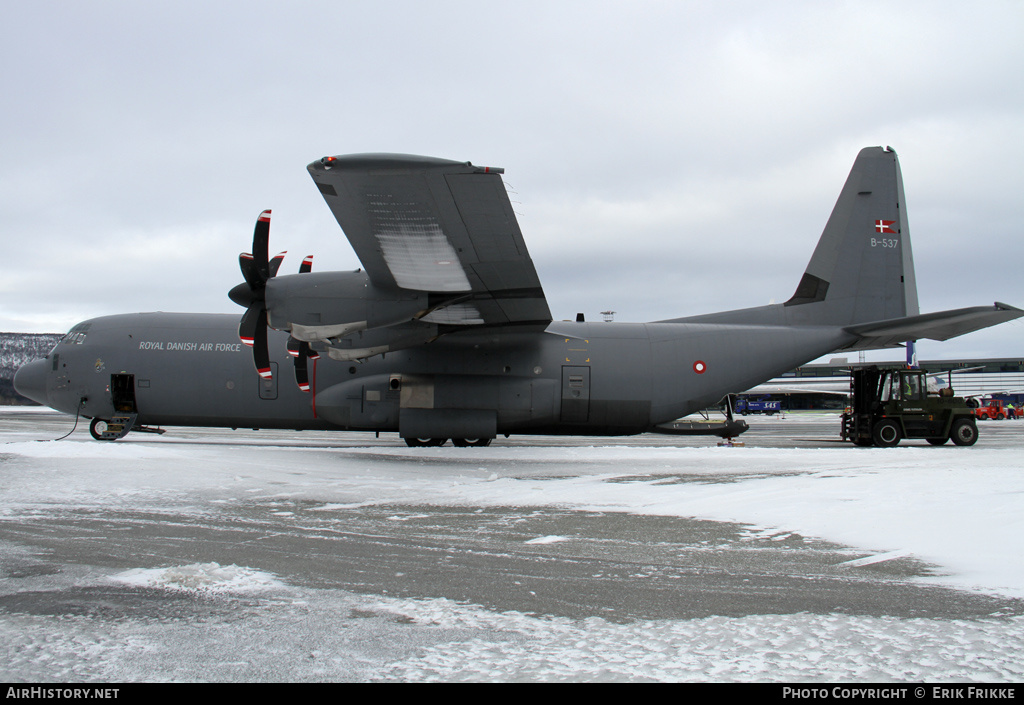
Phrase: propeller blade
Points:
(255, 266)
(301, 369)
(307, 265)
(252, 330)
(260, 348)
(247, 326)
(249, 271)
(299, 349)
(261, 245)
(275, 264)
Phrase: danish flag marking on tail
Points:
(882, 226)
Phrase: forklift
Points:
(888, 405)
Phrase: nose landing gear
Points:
(116, 427)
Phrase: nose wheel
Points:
(116, 427)
(98, 429)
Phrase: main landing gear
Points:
(459, 442)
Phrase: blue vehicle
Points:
(761, 405)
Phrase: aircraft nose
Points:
(30, 381)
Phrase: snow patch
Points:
(77, 450)
(880, 558)
(512, 646)
(201, 577)
(548, 539)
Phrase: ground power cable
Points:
(78, 414)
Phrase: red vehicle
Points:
(993, 409)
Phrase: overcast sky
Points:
(665, 158)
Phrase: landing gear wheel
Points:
(421, 442)
(97, 427)
(964, 432)
(475, 442)
(886, 433)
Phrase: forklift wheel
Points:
(937, 441)
(886, 433)
(964, 432)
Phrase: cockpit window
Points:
(76, 336)
(73, 338)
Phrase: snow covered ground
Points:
(958, 510)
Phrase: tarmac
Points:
(632, 567)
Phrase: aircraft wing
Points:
(439, 226)
(935, 326)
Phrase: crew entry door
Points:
(122, 393)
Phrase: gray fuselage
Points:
(572, 378)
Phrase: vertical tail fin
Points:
(863, 268)
(861, 275)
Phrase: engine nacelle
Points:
(317, 306)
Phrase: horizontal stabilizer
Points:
(935, 326)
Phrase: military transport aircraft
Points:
(445, 332)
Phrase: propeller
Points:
(257, 268)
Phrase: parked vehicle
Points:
(761, 405)
(994, 409)
(890, 405)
